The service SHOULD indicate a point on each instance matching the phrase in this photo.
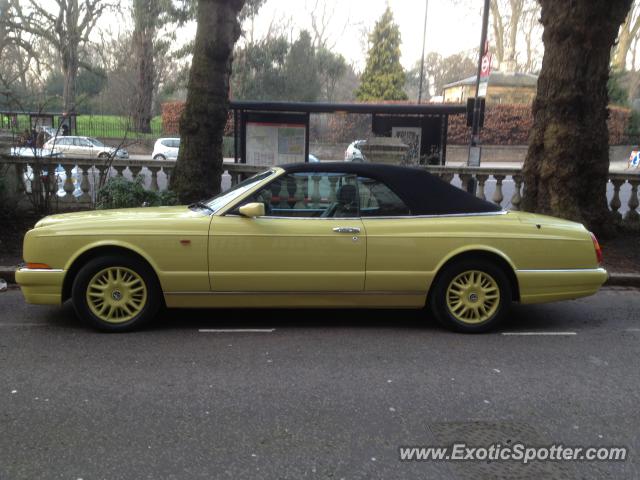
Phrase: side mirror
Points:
(252, 210)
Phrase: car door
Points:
(62, 145)
(175, 146)
(311, 239)
(83, 148)
(399, 255)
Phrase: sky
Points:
(452, 25)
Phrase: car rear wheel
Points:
(471, 296)
(116, 293)
(159, 157)
(103, 156)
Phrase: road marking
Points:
(236, 330)
(539, 333)
(632, 330)
(11, 325)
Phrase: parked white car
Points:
(83, 147)
(166, 148)
(31, 152)
(353, 152)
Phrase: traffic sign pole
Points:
(474, 146)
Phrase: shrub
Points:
(510, 124)
(632, 131)
(119, 192)
(171, 112)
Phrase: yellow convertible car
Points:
(312, 235)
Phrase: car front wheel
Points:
(116, 293)
(159, 157)
(471, 296)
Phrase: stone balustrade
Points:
(619, 184)
(77, 185)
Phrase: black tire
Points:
(103, 156)
(159, 157)
(147, 309)
(438, 296)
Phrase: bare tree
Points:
(628, 32)
(511, 21)
(150, 16)
(322, 14)
(66, 26)
(18, 55)
(248, 14)
(532, 32)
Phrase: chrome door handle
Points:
(346, 230)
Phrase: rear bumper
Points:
(41, 287)
(539, 286)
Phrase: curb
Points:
(615, 279)
(8, 274)
(623, 280)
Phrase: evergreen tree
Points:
(301, 70)
(383, 77)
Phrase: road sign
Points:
(485, 69)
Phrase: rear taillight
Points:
(597, 248)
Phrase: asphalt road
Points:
(326, 394)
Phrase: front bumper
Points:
(41, 287)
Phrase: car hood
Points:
(119, 216)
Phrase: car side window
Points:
(378, 200)
(309, 195)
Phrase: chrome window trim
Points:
(563, 270)
(400, 217)
(272, 217)
(477, 214)
(314, 292)
(53, 270)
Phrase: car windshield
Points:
(223, 198)
(96, 142)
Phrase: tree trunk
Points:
(567, 163)
(626, 35)
(143, 48)
(498, 31)
(199, 167)
(146, 14)
(70, 73)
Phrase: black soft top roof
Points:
(424, 193)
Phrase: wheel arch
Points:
(486, 253)
(97, 250)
